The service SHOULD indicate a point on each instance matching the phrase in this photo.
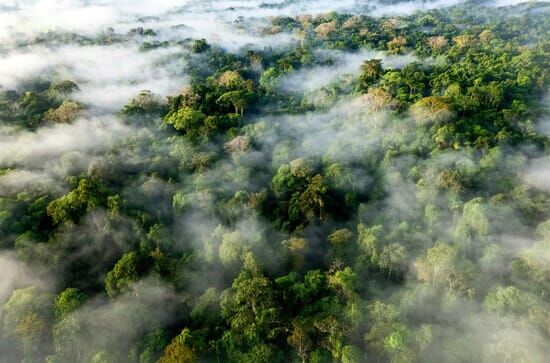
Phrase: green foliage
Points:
(179, 351)
(251, 308)
(68, 301)
(395, 214)
(124, 274)
(145, 105)
(42, 102)
(351, 354)
(26, 316)
(186, 119)
(371, 71)
(88, 195)
(392, 257)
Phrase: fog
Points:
(342, 63)
(111, 67)
(16, 274)
(88, 17)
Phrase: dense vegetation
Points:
(386, 216)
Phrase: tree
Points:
(207, 308)
(238, 145)
(64, 87)
(340, 237)
(186, 119)
(283, 183)
(269, 79)
(392, 257)
(344, 281)
(371, 71)
(334, 334)
(157, 245)
(26, 316)
(146, 103)
(533, 263)
(68, 301)
(506, 300)
(312, 200)
(103, 357)
(67, 334)
(430, 110)
(232, 80)
(325, 29)
(236, 98)
(32, 106)
(397, 45)
(88, 195)
(301, 168)
(297, 247)
(368, 242)
(150, 348)
(415, 79)
(352, 354)
(200, 46)
(297, 292)
(64, 114)
(463, 40)
(252, 312)
(232, 248)
(388, 335)
(437, 42)
(32, 330)
(124, 274)
(396, 344)
(442, 265)
(179, 351)
(474, 221)
(300, 341)
(375, 100)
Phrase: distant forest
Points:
(276, 182)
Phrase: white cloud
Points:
(538, 174)
(345, 63)
(107, 75)
(43, 148)
(16, 274)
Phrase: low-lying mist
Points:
(270, 181)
